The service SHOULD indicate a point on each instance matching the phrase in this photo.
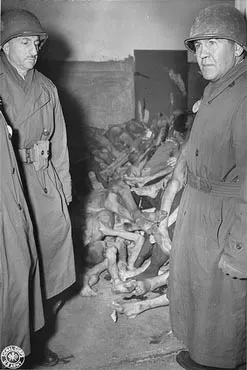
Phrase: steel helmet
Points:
(221, 21)
(20, 22)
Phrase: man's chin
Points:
(30, 64)
(208, 76)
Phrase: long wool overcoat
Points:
(32, 107)
(208, 307)
(21, 309)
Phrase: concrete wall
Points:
(100, 30)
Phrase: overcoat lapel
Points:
(29, 101)
(32, 102)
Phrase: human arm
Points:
(175, 184)
(233, 260)
(60, 156)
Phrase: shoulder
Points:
(241, 80)
(45, 81)
(47, 85)
(1, 66)
(244, 82)
(241, 88)
(2, 69)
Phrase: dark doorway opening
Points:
(161, 81)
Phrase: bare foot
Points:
(142, 287)
(93, 279)
(129, 309)
(119, 286)
(86, 291)
(132, 309)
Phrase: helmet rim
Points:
(18, 23)
(43, 36)
(218, 21)
(189, 42)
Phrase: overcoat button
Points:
(46, 132)
(196, 152)
(45, 190)
(239, 246)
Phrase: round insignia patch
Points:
(12, 357)
(10, 130)
(196, 106)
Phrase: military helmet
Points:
(221, 21)
(20, 22)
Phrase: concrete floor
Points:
(91, 340)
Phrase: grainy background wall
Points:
(97, 30)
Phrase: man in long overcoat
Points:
(20, 291)
(208, 265)
(33, 110)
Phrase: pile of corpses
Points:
(124, 223)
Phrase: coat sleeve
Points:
(60, 156)
(240, 148)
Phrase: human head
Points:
(218, 38)
(20, 22)
(21, 38)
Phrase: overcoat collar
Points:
(34, 98)
(214, 89)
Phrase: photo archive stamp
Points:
(12, 357)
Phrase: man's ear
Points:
(238, 50)
(6, 48)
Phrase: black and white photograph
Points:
(123, 174)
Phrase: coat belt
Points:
(218, 188)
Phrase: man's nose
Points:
(203, 51)
(34, 49)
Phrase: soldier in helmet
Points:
(32, 108)
(208, 264)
